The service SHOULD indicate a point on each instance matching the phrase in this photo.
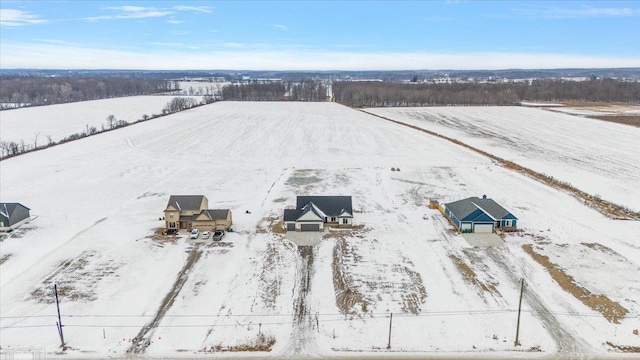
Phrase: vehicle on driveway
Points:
(217, 236)
(205, 234)
(194, 234)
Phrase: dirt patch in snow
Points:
(271, 224)
(470, 276)
(366, 274)
(611, 310)
(602, 248)
(624, 348)
(270, 284)
(261, 343)
(160, 235)
(76, 278)
(633, 120)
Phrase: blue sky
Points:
(319, 35)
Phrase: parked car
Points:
(194, 234)
(217, 236)
(205, 234)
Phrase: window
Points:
(171, 215)
(333, 219)
(345, 221)
(172, 225)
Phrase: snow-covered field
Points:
(62, 120)
(98, 201)
(595, 156)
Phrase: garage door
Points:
(291, 227)
(483, 228)
(310, 227)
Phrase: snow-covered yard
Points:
(98, 201)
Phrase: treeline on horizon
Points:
(53, 90)
(385, 94)
(306, 90)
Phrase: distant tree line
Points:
(381, 94)
(306, 90)
(53, 90)
(10, 149)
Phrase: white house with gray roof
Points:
(476, 214)
(312, 213)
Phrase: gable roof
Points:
(463, 208)
(215, 214)
(292, 214)
(185, 202)
(7, 209)
(327, 205)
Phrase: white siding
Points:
(310, 216)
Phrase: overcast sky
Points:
(316, 35)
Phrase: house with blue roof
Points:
(479, 215)
(313, 213)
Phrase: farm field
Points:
(124, 291)
(595, 156)
(61, 120)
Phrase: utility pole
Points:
(517, 342)
(59, 323)
(390, 321)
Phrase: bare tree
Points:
(111, 120)
(35, 140)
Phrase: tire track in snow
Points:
(302, 342)
(567, 341)
(143, 339)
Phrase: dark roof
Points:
(216, 214)
(7, 209)
(185, 202)
(330, 205)
(462, 208)
(292, 214)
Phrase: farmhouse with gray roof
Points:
(476, 214)
(13, 215)
(313, 212)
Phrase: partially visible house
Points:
(191, 211)
(313, 212)
(476, 214)
(13, 215)
(210, 219)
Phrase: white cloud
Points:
(131, 12)
(203, 9)
(169, 57)
(280, 26)
(10, 17)
(175, 22)
(582, 12)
